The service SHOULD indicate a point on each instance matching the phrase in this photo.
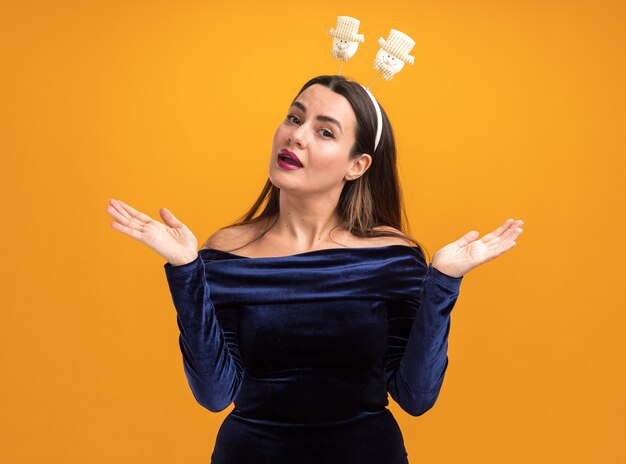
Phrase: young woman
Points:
(327, 306)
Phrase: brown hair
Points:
(372, 200)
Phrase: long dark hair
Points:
(372, 200)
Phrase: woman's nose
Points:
(297, 136)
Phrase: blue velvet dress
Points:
(308, 346)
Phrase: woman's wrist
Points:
(184, 261)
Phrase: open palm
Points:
(172, 240)
(466, 253)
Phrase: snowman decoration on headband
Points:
(391, 57)
(345, 38)
(389, 61)
(393, 53)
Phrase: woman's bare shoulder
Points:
(231, 237)
(234, 237)
(388, 240)
(380, 241)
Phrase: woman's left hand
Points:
(463, 255)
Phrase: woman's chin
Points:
(280, 184)
(282, 178)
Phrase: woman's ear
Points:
(359, 166)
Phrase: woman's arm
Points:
(416, 359)
(211, 358)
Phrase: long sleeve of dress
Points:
(211, 359)
(416, 360)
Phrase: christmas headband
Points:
(390, 59)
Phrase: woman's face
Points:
(320, 130)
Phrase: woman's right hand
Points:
(173, 241)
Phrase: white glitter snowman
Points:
(345, 38)
(393, 53)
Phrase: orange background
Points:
(512, 109)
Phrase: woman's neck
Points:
(306, 223)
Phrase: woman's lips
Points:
(285, 165)
(288, 160)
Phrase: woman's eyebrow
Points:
(320, 117)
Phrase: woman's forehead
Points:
(321, 93)
(320, 100)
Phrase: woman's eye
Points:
(296, 120)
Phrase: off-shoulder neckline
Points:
(313, 252)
